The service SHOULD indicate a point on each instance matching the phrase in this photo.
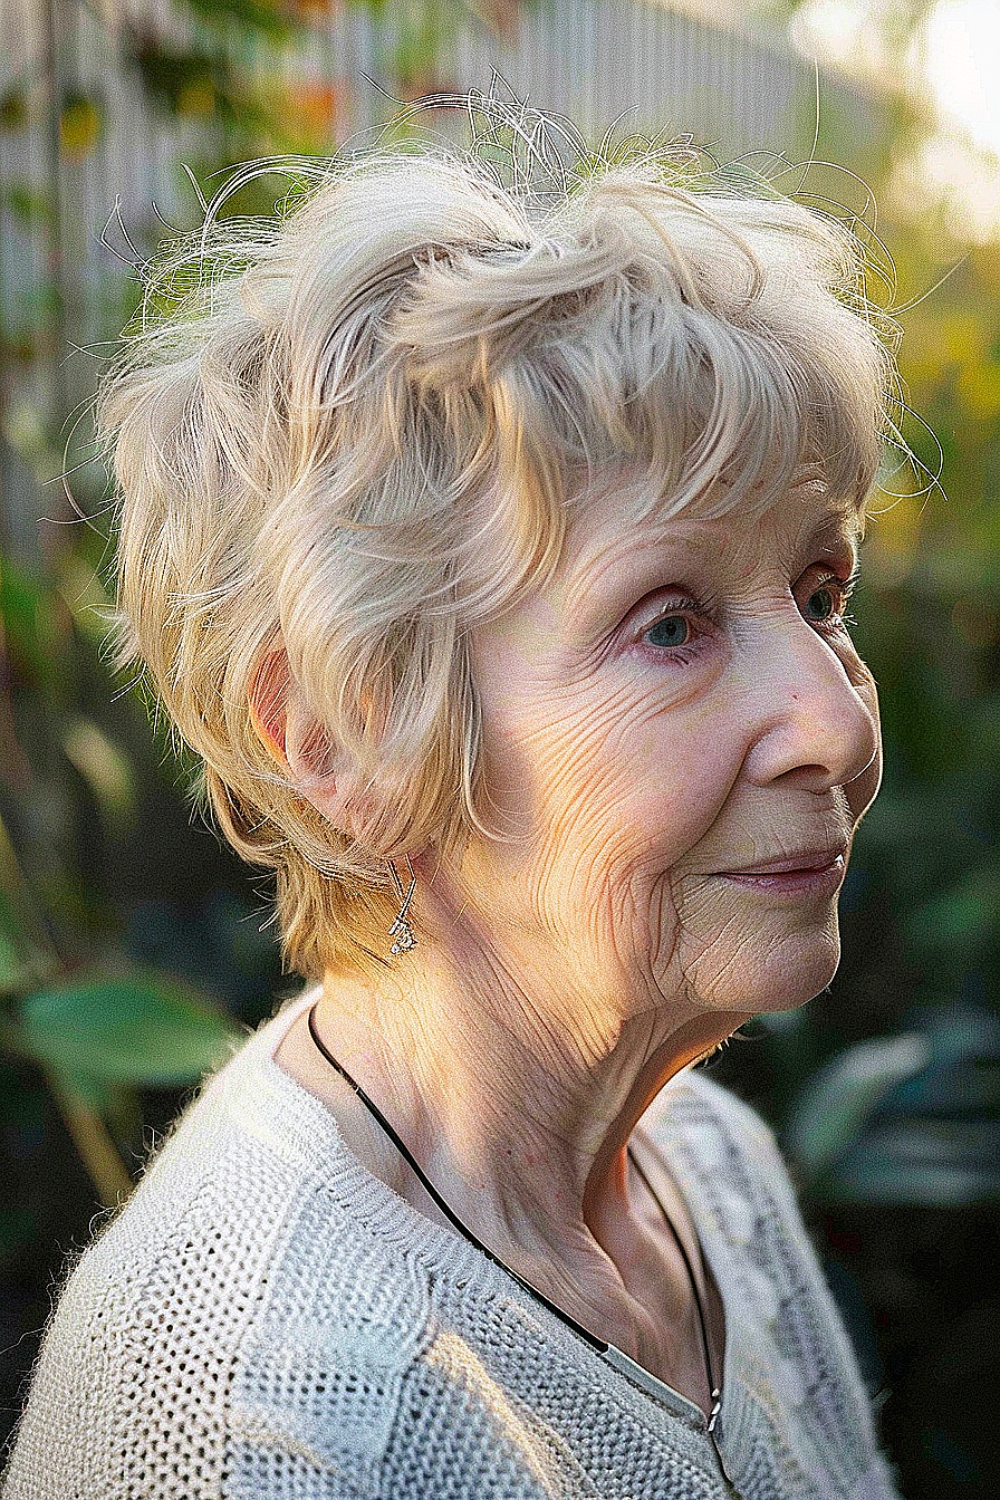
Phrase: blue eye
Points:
(672, 630)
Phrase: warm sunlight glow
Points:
(951, 67)
(961, 59)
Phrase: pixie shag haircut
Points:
(357, 428)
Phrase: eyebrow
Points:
(653, 536)
(589, 565)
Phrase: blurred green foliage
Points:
(132, 947)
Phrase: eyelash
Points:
(844, 588)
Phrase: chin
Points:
(769, 974)
(806, 970)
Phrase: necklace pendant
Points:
(716, 1408)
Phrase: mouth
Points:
(818, 872)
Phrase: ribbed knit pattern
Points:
(265, 1320)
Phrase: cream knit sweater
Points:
(267, 1321)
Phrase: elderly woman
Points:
(491, 545)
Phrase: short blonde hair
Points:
(357, 428)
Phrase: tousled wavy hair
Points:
(355, 429)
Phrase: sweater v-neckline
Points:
(431, 1236)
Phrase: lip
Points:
(813, 874)
(811, 859)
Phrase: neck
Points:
(517, 1090)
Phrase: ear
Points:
(269, 690)
(297, 741)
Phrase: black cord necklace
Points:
(602, 1347)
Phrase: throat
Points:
(635, 1280)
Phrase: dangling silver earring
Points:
(401, 929)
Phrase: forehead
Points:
(612, 523)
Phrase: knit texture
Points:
(265, 1320)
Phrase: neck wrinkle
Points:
(524, 1138)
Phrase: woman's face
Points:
(679, 741)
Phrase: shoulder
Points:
(716, 1134)
(730, 1168)
(695, 1095)
(728, 1164)
(243, 1308)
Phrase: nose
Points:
(814, 711)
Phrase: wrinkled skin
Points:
(633, 770)
(679, 706)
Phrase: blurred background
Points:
(132, 945)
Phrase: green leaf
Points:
(14, 109)
(838, 1102)
(136, 1030)
(262, 16)
(26, 958)
(26, 203)
(26, 603)
(944, 1163)
(14, 961)
(81, 121)
(102, 765)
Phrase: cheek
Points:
(681, 772)
(594, 794)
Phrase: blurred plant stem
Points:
(33, 961)
(92, 1139)
(36, 958)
